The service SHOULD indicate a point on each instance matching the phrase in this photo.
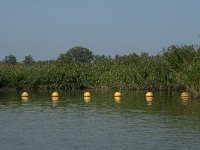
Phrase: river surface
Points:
(102, 122)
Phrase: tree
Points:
(77, 54)
(11, 59)
(177, 57)
(28, 60)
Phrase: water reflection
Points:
(54, 101)
(87, 99)
(149, 100)
(132, 123)
(117, 100)
(169, 103)
(184, 100)
(24, 99)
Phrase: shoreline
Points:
(194, 95)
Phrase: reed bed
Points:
(175, 68)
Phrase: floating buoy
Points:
(55, 94)
(149, 94)
(87, 99)
(118, 99)
(87, 94)
(117, 94)
(184, 94)
(24, 94)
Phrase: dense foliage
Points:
(11, 59)
(77, 54)
(28, 60)
(175, 68)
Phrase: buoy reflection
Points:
(54, 101)
(87, 99)
(117, 99)
(24, 99)
(184, 100)
(149, 100)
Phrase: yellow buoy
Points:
(87, 94)
(24, 94)
(149, 94)
(55, 94)
(184, 94)
(117, 94)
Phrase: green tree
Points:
(11, 59)
(28, 60)
(178, 57)
(77, 54)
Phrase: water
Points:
(168, 122)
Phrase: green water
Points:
(168, 122)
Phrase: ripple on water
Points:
(70, 123)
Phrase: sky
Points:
(46, 28)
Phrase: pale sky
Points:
(46, 28)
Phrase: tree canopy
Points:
(77, 54)
(28, 60)
(10, 59)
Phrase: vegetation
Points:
(11, 59)
(28, 60)
(77, 54)
(175, 68)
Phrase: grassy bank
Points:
(175, 68)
